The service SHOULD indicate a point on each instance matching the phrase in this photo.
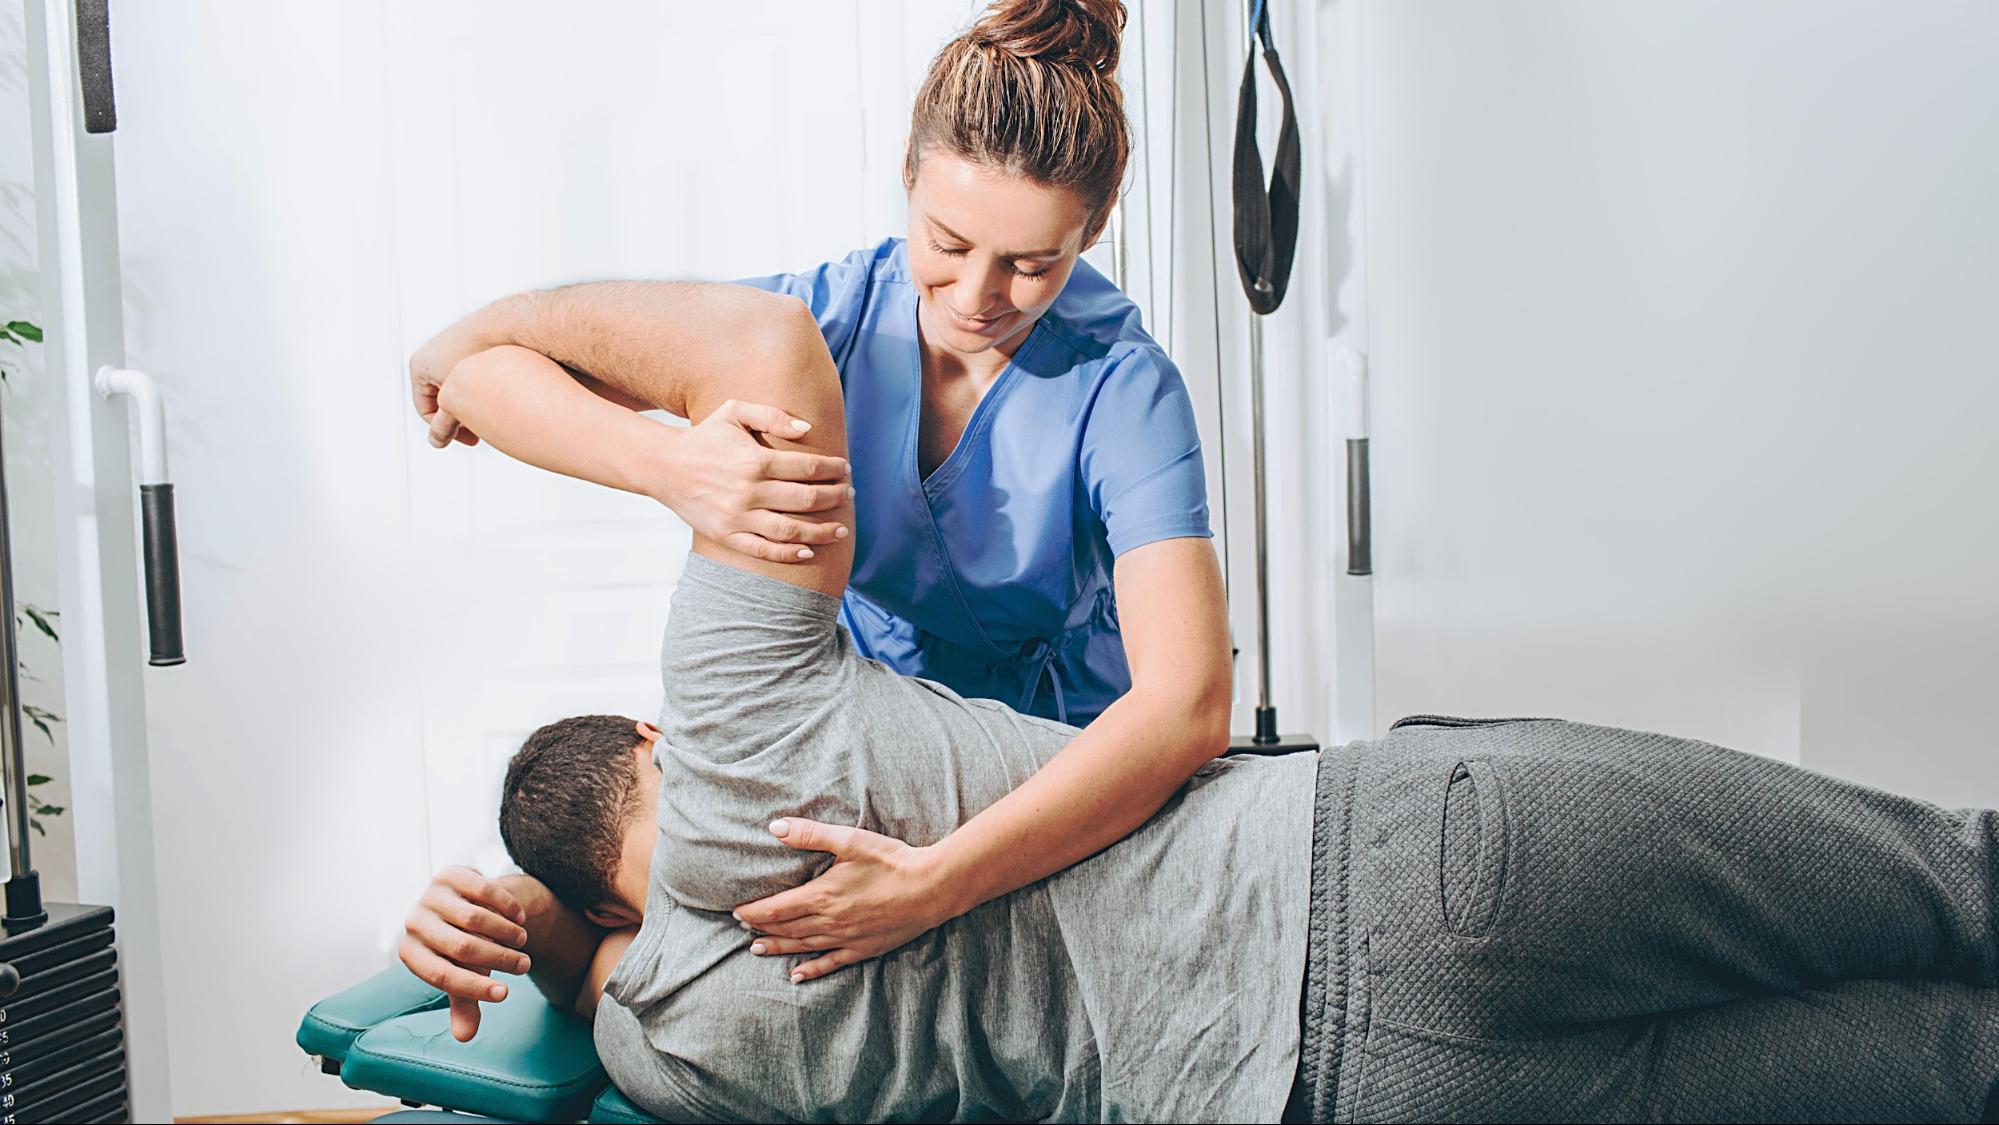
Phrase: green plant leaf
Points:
(25, 330)
(50, 810)
(42, 717)
(37, 826)
(42, 621)
(39, 779)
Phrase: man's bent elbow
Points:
(785, 329)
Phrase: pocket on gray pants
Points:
(1472, 860)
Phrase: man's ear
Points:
(648, 732)
(611, 917)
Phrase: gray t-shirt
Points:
(1155, 981)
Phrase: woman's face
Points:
(989, 251)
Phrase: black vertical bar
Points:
(1360, 521)
(162, 550)
(93, 65)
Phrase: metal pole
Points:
(1119, 260)
(18, 862)
(1266, 716)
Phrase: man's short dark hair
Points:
(570, 791)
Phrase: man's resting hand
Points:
(463, 928)
(430, 365)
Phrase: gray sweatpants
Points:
(1524, 920)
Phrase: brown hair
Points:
(569, 793)
(1031, 88)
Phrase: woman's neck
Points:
(946, 363)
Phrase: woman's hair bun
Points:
(1074, 32)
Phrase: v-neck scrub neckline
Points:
(948, 469)
(993, 575)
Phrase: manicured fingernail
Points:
(847, 467)
(805, 552)
(850, 492)
(798, 978)
(839, 533)
(497, 992)
(757, 948)
(780, 828)
(800, 425)
(523, 965)
(736, 914)
(746, 926)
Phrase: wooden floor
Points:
(294, 1117)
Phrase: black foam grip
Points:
(1360, 521)
(93, 65)
(162, 547)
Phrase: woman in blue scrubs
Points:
(985, 562)
(1026, 470)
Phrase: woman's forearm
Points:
(1095, 792)
(647, 339)
(529, 408)
(1125, 765)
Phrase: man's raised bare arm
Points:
(669, 346)
(635, 342)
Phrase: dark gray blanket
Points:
(1531, 920)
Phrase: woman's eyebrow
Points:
(949, 233)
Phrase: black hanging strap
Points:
(1266, 221)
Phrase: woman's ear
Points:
(648, 732)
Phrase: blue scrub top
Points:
(993, 576)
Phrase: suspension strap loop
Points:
(1266, 220)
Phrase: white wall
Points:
(1681, 328)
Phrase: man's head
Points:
(578, 811)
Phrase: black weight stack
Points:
(62, 1033)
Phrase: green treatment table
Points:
(391, 1034)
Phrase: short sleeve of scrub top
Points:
(993, 574)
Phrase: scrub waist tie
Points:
(1041, 658)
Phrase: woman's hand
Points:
(879, 894)
(735, 490)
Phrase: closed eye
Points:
(959, 251)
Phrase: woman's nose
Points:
(979, 290)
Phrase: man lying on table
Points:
(1524, 919)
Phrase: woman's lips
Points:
(980, 325)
